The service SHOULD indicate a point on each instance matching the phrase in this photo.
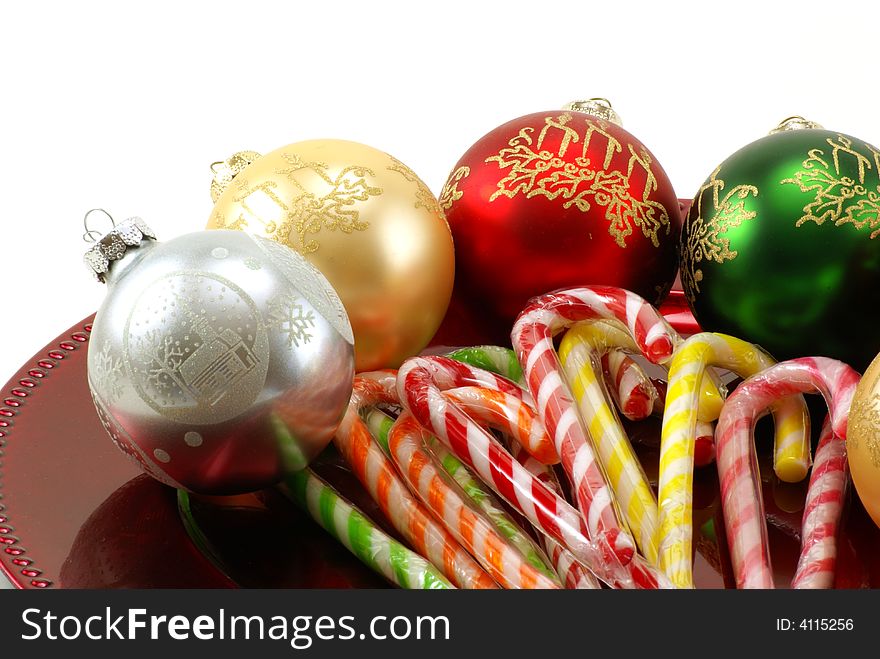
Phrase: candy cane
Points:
(822, 512)
(378, 474)
(491, 507)
(360, 536)
(677, 438)
(420, 393)
(378, 387)
(450, 374)
(625, 380)
(740, 483)
(373, 388)
(573, 574)
(629, 385)
(448, 503)
(635, 394)
(612, 553)
(494, 401)
(579, 353)
(379, 424)
(638, 396)
(704, 433)
(508, 414)
(494, 359)
(532, 338)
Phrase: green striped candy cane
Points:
(498, 360)
(360, 536)
(380, 424)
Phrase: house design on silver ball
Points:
(213, 368)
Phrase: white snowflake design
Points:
(287, 312)
(311, 284)
(105, 369)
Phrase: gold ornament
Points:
(366, 221)
(863, 440)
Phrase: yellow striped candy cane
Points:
(608, 336)
(687, 368)
(579, 352)
(580, 346)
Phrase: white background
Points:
(124, 105)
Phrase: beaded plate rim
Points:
(18, 568)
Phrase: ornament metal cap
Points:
(598, 107)
(113, 245)
(226, 170)
(795, 122)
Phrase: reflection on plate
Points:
(75, 512)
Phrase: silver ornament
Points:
(218, 360)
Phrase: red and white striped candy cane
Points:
(626, 381)
(499, 403)
(379, 476)
(609, 556)
(481, 404)
(532, 338)
(380, 387)
(504, 563)
(520, 560)
(737, 470)
(822, 512)
(573, 574)
(629, 385)
(448, 373)
(508, 414)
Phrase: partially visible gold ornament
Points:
(365, 220)
(863, 440)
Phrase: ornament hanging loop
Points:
(113, 244)
(795, 122)
(226, 170)
(92, 235)
(598, 107)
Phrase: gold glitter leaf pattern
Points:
(322, 202)
(705, 238)
(310, 213)
(424, 197)
(450, 192)
(534, 170)
(838, 198)
(236, 225)
(865, 423)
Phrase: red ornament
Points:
(559, 199)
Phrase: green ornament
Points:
(782, 245)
